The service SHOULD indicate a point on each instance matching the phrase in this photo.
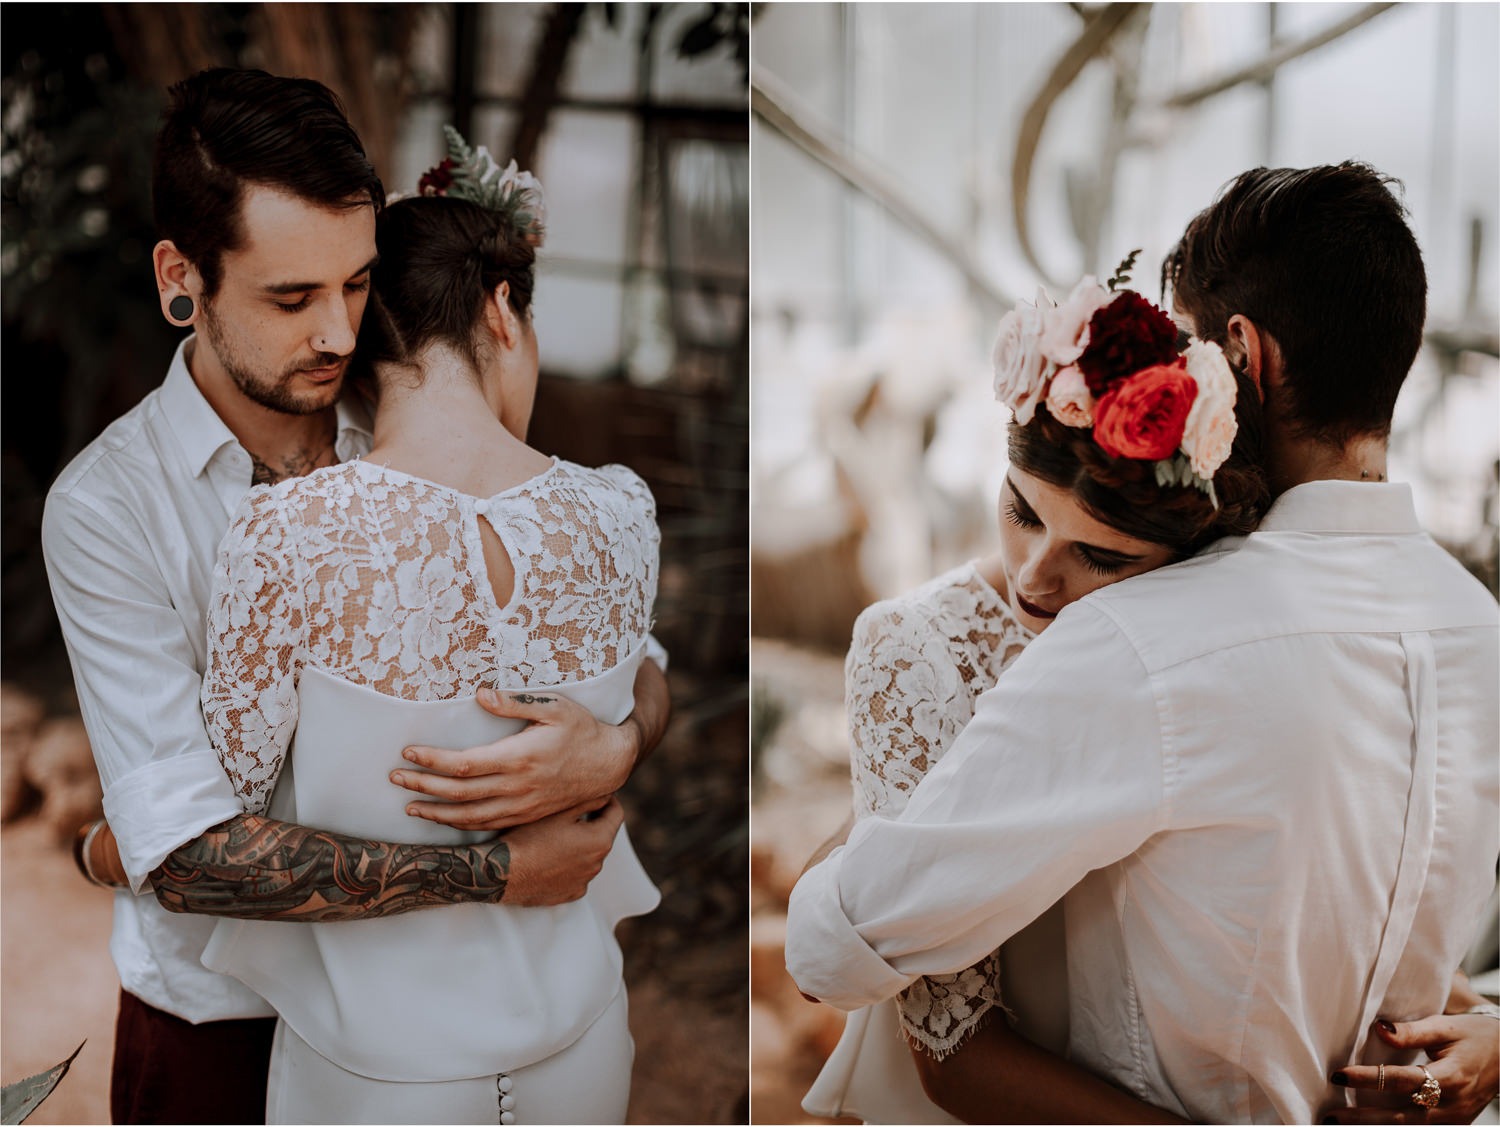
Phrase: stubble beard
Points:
(272, 392)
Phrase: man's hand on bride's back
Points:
(562, 758)
(552, 861)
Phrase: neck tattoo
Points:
(293, 464)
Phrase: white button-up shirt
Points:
(130, 534)
(1266, 780)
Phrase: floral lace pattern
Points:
(379, 578)
(915, 668)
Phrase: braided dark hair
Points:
(1124, 494)
(440, 258)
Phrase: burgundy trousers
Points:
(167, 1070)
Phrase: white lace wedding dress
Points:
(916, 666)
(354, 616)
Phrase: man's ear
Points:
(1258, 349)
(179, 286)
(501, 318)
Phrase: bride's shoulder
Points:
(613, 480)
(953, 601)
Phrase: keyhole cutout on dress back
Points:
(497, 566)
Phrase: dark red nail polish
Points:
(1386, 1026)
(1339, 1078)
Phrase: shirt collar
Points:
(203, 434)
(197, 425)
(1381, 508)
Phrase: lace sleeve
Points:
(255, 622)
(906, 702)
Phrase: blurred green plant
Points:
(19, 1100)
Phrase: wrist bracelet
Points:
(1488, 1009)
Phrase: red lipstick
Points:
(1032, 609)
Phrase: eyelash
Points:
(1013, 515)
(1098, 566)
(299, 306)
(1090, 561)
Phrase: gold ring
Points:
(1380, 1079)
(1429, 1093)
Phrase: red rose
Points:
(1125, 336)
(437, 179)
(1144, 416)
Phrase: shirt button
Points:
(482, 508)
(507, 1117)
(507, 1103)
(504, 1083)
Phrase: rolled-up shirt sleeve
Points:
(1065, 768)
(137, 675)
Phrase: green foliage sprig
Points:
(1121, 276)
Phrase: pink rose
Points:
(1067, 327)
(1021, 370)
(1068, 398)
(1211, 424)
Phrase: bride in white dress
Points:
(358, 610)
(1073, 519)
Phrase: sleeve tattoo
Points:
(255, 868)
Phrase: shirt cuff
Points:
(825, 955)
(656, 652)
(165, 804)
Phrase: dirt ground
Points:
(685, 964)
(59, 988)
(801, 795)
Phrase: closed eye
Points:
(1016, 516)
(1099, 563)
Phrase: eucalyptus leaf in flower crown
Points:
(470, 173)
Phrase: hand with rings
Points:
(1460, 1078)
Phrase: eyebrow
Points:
(304, 287)
(1113, 553)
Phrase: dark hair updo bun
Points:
(440, 258)
(1124, 494)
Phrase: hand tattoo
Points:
(255, 868)
(530, 698)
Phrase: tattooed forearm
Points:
(255, 868)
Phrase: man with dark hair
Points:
(1281, 243)
(1263, 781)
(266, 207)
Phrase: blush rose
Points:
(1068, 398)
(1067, 327)
(1021, 370)
(1208, 435)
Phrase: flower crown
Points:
(472, 174)
(1109, 360)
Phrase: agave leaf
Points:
(20, 1099)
